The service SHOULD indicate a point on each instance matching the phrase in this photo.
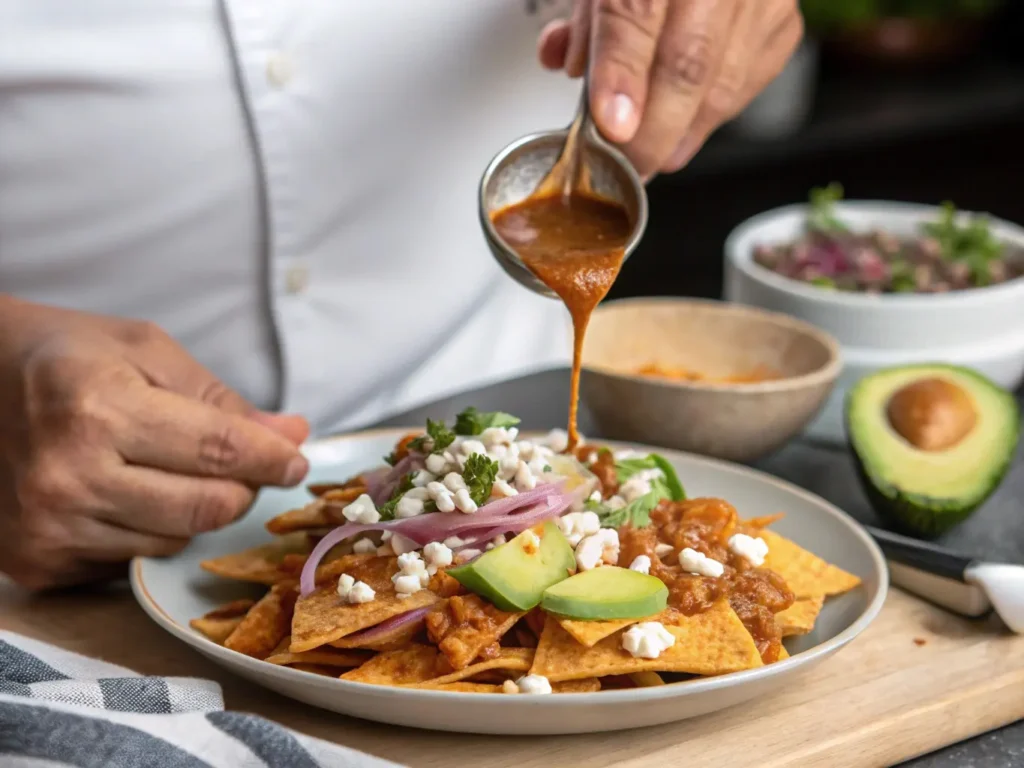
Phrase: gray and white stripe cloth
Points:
(60, 709)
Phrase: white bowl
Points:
(981, 328)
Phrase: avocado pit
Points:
(932, 414)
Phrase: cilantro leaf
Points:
(479, 475)
(822, 217)
(637, 513)
(971, 243)
(387, 509)
(438, 435)
(474, 422)
(676, 492)
(668, 486)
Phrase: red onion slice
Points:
(411, 462)
(377, 632)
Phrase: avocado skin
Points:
(914, 513)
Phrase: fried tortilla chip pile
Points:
(444, 637)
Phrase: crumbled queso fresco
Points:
(647, 640)
(354, 591)
(700, 564)
(753, 549)
(527, 684)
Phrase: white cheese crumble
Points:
(641, 564)
(754, 550)
(529, 684)
(661, 549)
(595, 496)
(696, 562)
(525, 480)
(453, 542)
(436, 555)
(464, 502)
(647, 640)
(493, 436)
(575, 525)
(354, 591)
(436, 464)
(466, 555)
(408, 506)
(469, 447)
(502, 489)
(497, 541)
(615, 503)
(412, 574)
(598, 548)
(441, 496)
(364, 546)
(400, 545)
(422, 477)
(557, 440)
(634, 488)
(362, 510)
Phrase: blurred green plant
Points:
(829, 14)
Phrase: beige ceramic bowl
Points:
(739, 422)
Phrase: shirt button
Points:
(279, 69)
(296, 280)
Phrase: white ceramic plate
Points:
(173, 591)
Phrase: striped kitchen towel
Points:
(61, 709)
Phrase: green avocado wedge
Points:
(515, 575)
(931, 442)
(606, 593)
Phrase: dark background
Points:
(952, 130)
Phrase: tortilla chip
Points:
(266, 625)
(463, 687)
(323, 512)
(215, 629)
(807, 575)
(711, 643)
(321, 489)
(584, 685)
(783, 653)
(509, 659)
(646, 679)
(234, 609)
(323, 617)
(466, 626)
(399, 637)
(259, 564)
(415, 664)
(316, 669)
(590, 633)
(764, 521)
(799, 618)
(324, 657)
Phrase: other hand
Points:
(116, 443)
(664, 74)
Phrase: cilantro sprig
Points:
(822, 215)
(438, 438)
(479, 475)
(971, 243)
(638, 512)
(473, 422)
(387, 509)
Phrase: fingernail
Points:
(618, 116)
(297, 469)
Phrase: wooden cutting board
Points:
(918, 679)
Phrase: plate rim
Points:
(654, 693)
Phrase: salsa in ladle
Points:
(575, 245)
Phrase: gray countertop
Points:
(995, 532)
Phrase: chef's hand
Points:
(664, 74)
(114, 443)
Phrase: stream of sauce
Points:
(575, 245)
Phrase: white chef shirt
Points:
(288, 187)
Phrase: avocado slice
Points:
(606, 593)
(932, 442)
(515, 575)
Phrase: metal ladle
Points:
(557, 162)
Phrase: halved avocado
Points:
(932, 443)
